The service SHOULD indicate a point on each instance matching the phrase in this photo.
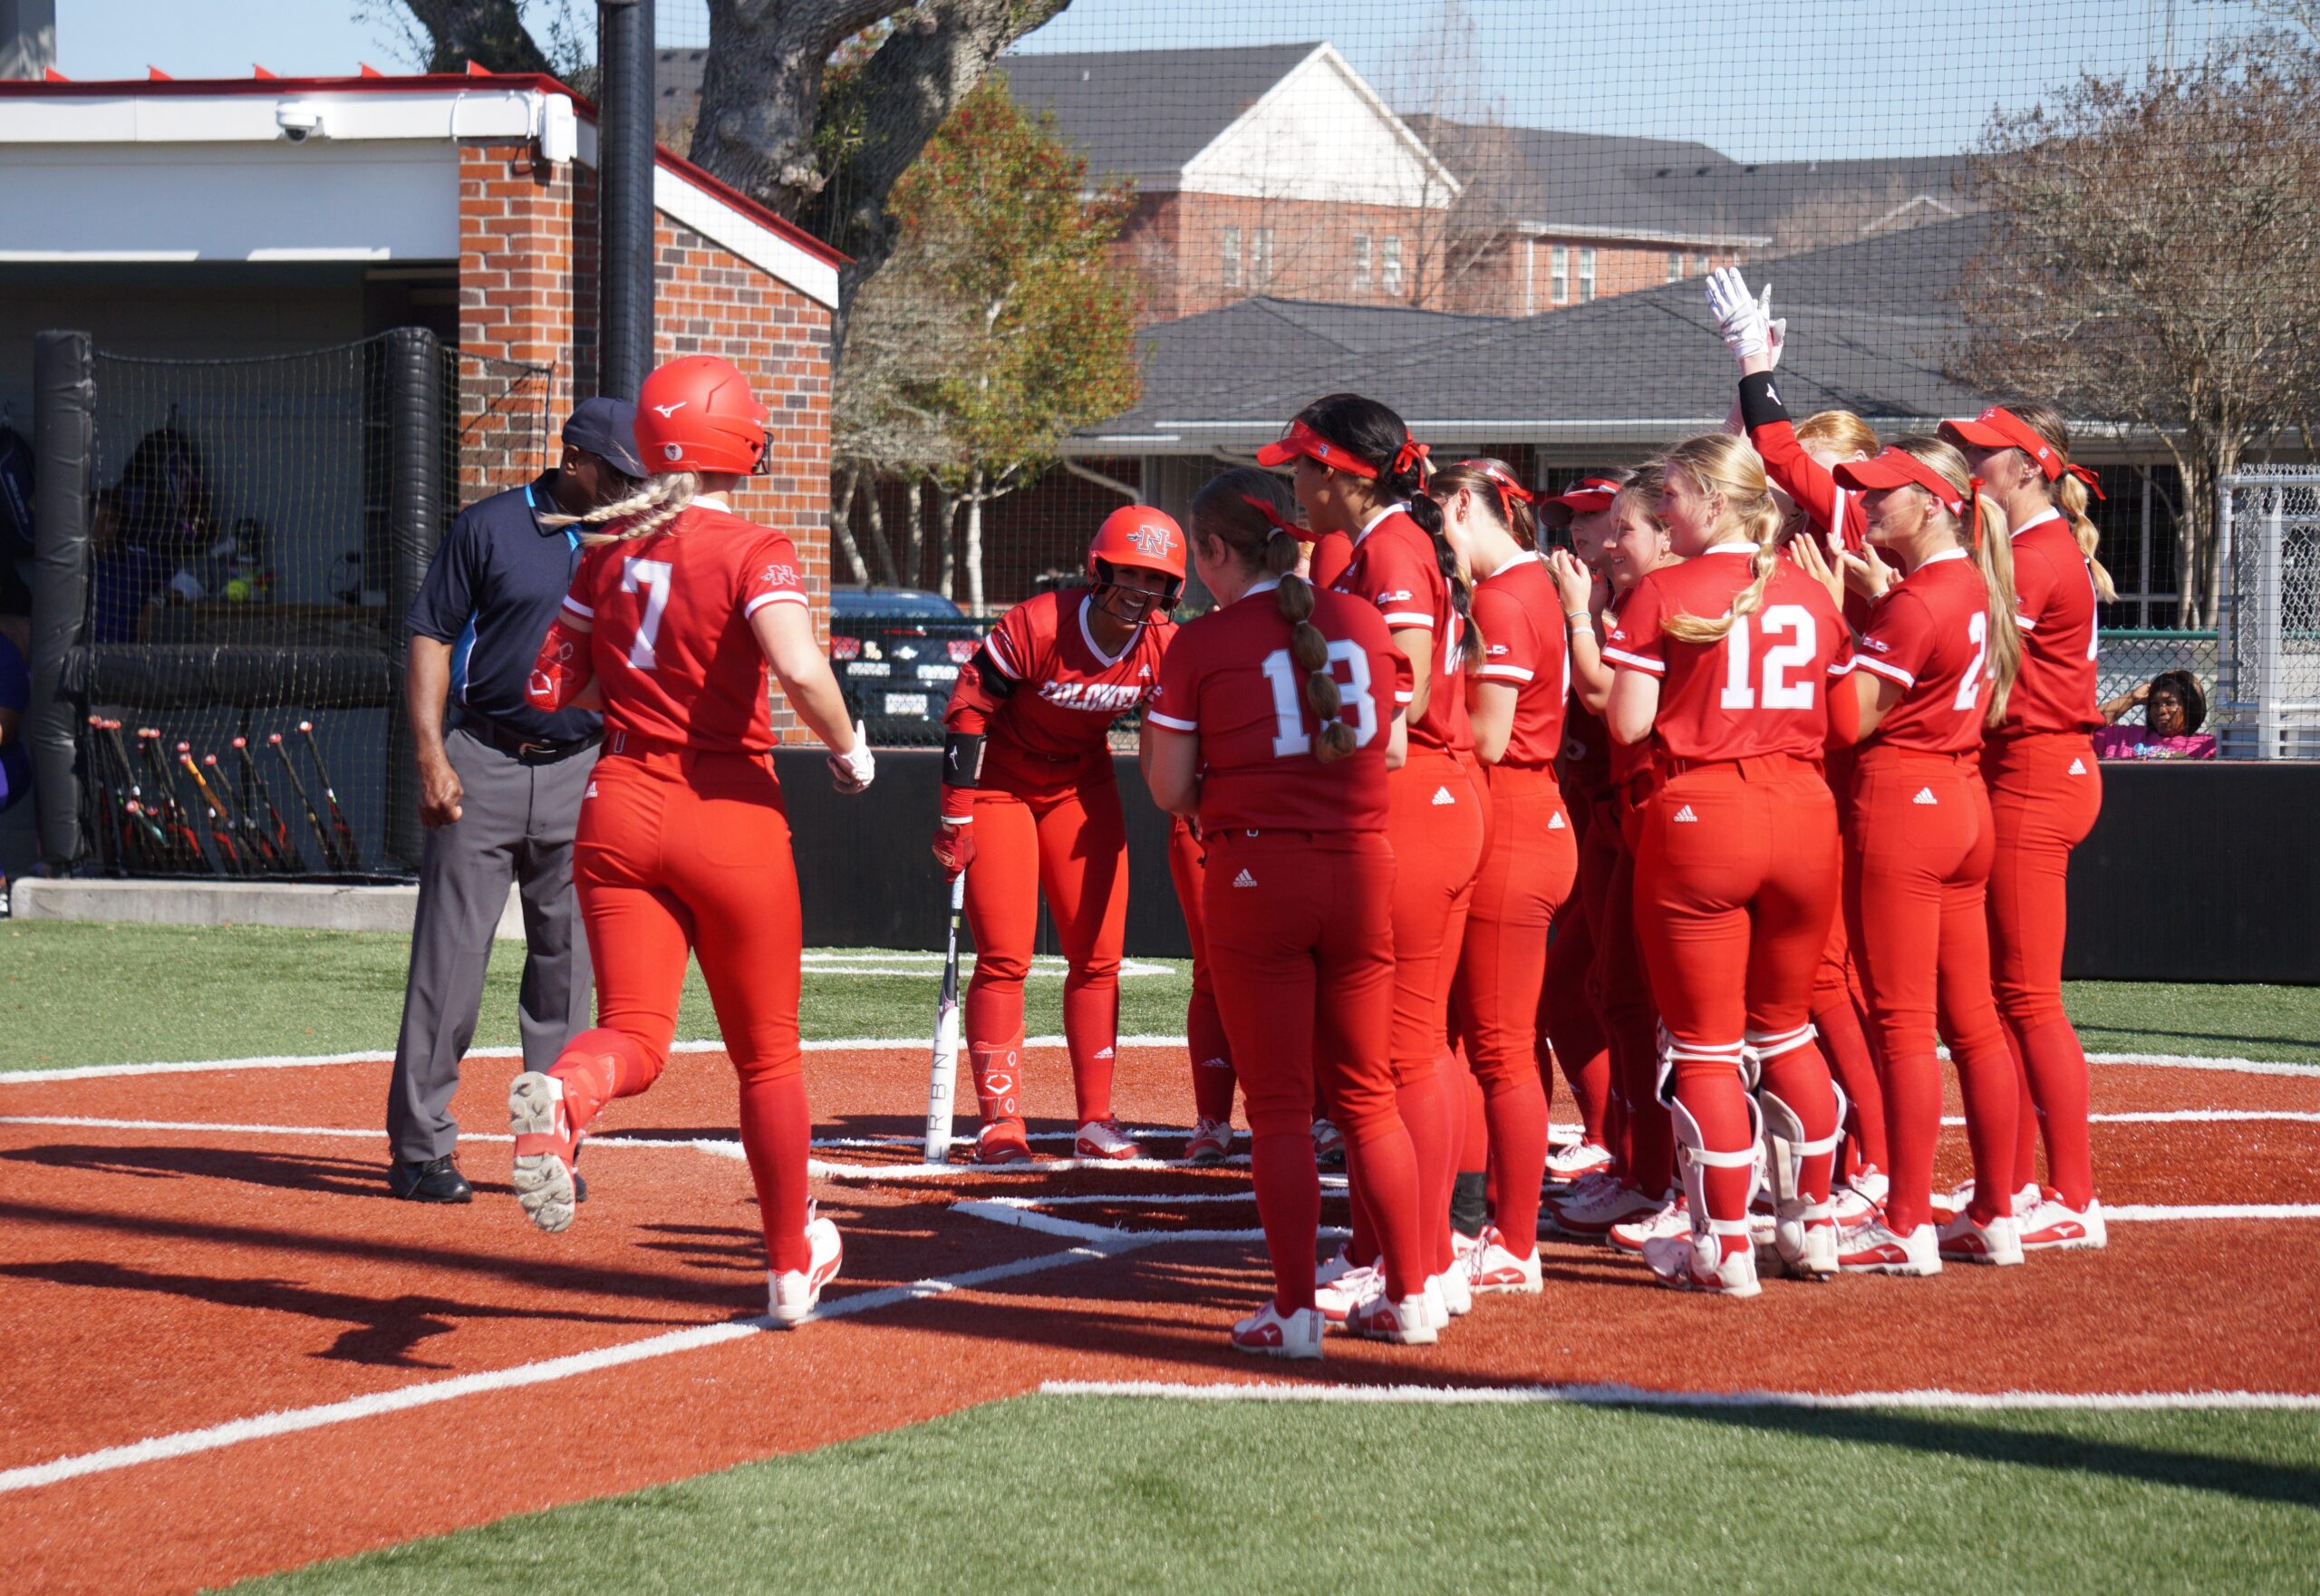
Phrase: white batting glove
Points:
(853, 771)
(1743, 324)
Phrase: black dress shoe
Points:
(429, 1180)
(579, 1186)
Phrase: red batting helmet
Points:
(1148, 539)
(696, 413)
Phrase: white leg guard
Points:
(1694, 1159)
(1804, 1231)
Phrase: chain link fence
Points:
(2269, 686)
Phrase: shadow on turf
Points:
(337, 1177)
(382, 1331)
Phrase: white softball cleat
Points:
(1671, 1218)
(1210, 1141)
(2051, 1225)
(1575, 1161)
(1270, 1333)
(1699, 1263)
(1380, 1317)
(1858, 1198)
(1962, 1240)
(1876, 1248)
(1104, 1139)
(792, 1295)
(1336, 1297)
(1454, 1290)
(1594, 1207)
(546, 1145)
(1492, 1266)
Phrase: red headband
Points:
(1894, 468)
(1302, 439)
(1999, 427)
(1264, 507)
(1509, 491)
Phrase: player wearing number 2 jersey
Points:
(1936, 658)
(2045, 790)
(1276, 718)
(1723, 663)
(678, 607)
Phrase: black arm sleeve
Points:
(1760, 405)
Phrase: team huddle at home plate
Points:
(1729, 807)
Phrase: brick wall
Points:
(528, 293)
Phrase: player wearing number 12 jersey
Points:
(1723, 663)
(677, 609)
(1276, 717)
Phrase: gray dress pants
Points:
(516, 823)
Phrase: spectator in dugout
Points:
(499, 792)
(160, 515)
(2173, 711)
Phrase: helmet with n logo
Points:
(697, 413)
(1137, 537)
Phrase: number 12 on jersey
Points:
(1793, 620)
(1289, 737)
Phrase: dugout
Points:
(343, 307)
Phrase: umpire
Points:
(500, 794)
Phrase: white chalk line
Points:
(289, 1421)
(869, 962)
(1625, 1395)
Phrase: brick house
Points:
(230, 217)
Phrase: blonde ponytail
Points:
(657, 501)
(1985, 535)
(2067, 491)
(1717, 463)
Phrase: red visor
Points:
(1999, 427)
(1302, 439)
(1896, 468)
(1586, 495)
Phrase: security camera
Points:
(299, 122)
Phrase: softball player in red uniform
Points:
(1210, 1141)
(1799, 461)
(1277, 715)
(2046, 791)
(1723, 662)
(1936, 661)
(674, 614)
(1361, 472)
(1515, 703)
(1028, 797)
(1640, 1199)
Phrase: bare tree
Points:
(2155, 259)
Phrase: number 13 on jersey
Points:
(1289, 737)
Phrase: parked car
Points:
(896, 651)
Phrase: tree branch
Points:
(489, 33)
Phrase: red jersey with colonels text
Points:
(1763, 687)
(1931, 634)
(1051, 728)
(669, 638)
(1519, 613)
(2055, 600)
(1231, 680)
(1394, 567)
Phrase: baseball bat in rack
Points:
(322, 835)
(341, 832)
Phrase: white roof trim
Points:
(1547, 231)
(1325, 55)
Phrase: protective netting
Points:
(2271, 638)
(258, 530)
(1496, 216)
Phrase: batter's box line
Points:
(1023, 1213)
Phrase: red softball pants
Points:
(1205, 1035)
(1300, 930)
(678, 852)
(1736, 879)
(1917, 856)
(1522, 883)
(2046, 791)
(1840, 1012)
(1622, 987)
(1571, 1026)
(1072, 845)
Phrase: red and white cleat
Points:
(545, 1146)
(1270, 1333)
(1210, 1141)
(1948, 1207)
(1003, 1142)
(1492, 1266)
(1575, 1161)
(1962, 1240)
(1338, 1297)
(1671, 1218)
(1378, 1318)
(1860, 1198)
(1591, 1211)
(1337, 1265)
(792, 1295)
(1876, 1248)
(1700, 1264)
(1454, 1290)
(1329, 1144)
(2053, 1225)
(1104, 1139)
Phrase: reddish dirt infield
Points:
(159, 1281)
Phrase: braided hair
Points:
(1252, 513)
(657, 501)
(1371, 432)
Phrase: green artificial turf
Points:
(1081, 1495)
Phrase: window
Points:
(1559, 274)
(1390, 267)
(1229, 240)
(1675, 266)
(1361, 263)
(1586, 277)
(1699, 266)
(1260, 257)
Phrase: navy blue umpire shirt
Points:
(492, 591)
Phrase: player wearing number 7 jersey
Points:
(1277, 715)
(677, 609)
(1723, 663)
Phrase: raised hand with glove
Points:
(1744, 322)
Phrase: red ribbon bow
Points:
(1264, 507)
(2093, 483)
(1411, 456)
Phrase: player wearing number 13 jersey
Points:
(1724, 662)
(677, 609)
(1276, 717)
